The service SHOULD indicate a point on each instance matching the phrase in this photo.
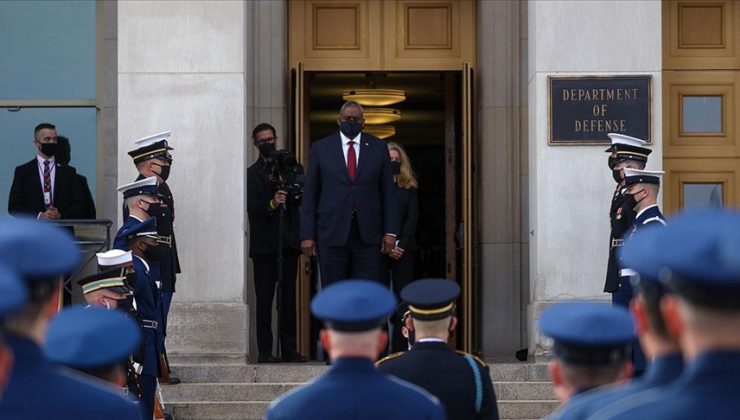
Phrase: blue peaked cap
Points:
(148, 226)
(91, 337)
(588, 333)
(36, 249)
(698, 256)
(353, 305)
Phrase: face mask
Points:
(49, 149)
(350, 128)
(412, 337)
(107, 305)
(396, 166)
(126, 304)
(131, 279)
(266, 149)
(164, 173)
(612, 162)
(154, 209)
(629, 199)
(150, 253)
(617, 175)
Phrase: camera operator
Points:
(273, 196)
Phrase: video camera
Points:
(285, 173)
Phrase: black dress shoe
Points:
(295, 358)
(266, 358)
(173, 380)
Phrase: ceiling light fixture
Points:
(374, 97)
(380, 131)
(374, 116)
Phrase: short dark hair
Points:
(651, 293)
(43, 126)
(262, 127)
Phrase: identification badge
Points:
(47, 198)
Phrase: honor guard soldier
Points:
(353, 312)
(107, 288)
(141, 239)
(461, 381)
(13, 296)
(625, 152)
(698, 254)
(142, 202)
(93, 341)
(152, 158)
(113, 289)
(640, 195)
(591, 346)
(40, 254)
(666, 361)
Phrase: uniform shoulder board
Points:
(477, 359)
(389, 357)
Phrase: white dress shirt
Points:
(345, 146)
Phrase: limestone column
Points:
(570, 187)
(181, 67)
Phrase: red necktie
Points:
(47, 178)
(351, 161)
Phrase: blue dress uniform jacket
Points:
(353, 390)
(148, 306)
(708, 389)
(38, 390)
(448, 376)
(661, 371)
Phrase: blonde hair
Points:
(407, 178)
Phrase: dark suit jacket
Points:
(263, 221)
(326, 213)
(408, 207)
(27, 197)
(447, 375)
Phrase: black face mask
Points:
(266, 149)
(613, 160)
(150, 253)
(126, 304)
(164, 173)
(350, 128)
(49, 149)
(131, 279)
(396, 166)
(154, 210)
(629, 199)
(617, 175)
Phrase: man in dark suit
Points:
(461, 381)
(266, 204)
(44, 189)
(349, 207)
(63, 157)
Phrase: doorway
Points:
(434, 128)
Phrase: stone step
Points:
(278, 373)
(210, 410)
(266, 392)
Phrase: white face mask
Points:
(107, 305)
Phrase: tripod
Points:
(279, 285)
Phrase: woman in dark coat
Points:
(400, 262)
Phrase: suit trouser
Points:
(622, 297)
(265, 280)
(399, 273)
(148, 386)
(354, 260)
